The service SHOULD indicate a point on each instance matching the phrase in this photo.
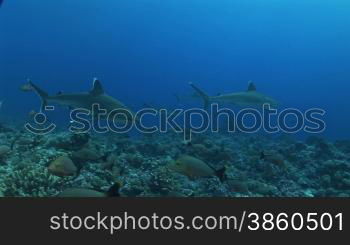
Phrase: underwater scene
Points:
(176, 98)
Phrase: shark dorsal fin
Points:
(97, 88)
(251, 87)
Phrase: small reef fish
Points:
(193, 167)
(84, 100)
(4, 150)
(63, 166)
(246, 98)
(32, 114)
(275, 159)
(81, 192)
(26, 87)
(5, 129)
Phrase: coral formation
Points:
(289, 168)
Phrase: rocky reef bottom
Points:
(155, 166)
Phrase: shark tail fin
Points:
(114, 190)
(221, 173)
(204, 96)
(42, 94)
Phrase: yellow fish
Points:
(81, 192)
(193, 168)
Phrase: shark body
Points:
(84, 100)
(187, 97)
(249, 98)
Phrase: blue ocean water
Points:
(144, 51)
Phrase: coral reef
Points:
(256, 165)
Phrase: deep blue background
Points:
(145, 50)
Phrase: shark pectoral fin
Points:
(97, 88)
(251, 87)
